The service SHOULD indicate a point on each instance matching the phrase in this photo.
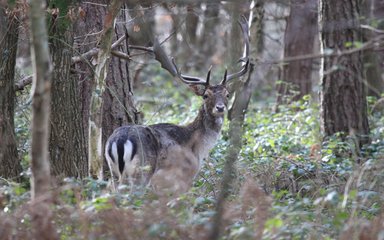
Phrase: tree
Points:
(10, 166)
(373, 12)
(299, 39)
(236, 114)
(343, 103)
(41, 179)
(89, 22)
(118, 104)
(95, 151)
(67, 146)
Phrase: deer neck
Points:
(204, 130)
(206, 123)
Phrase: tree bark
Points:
(299, 39)
(67, 144)
(208, 40)
(95, 151)
(10, 167)
(343, 98)
(87, 32)
(373, 11)
(41, 93)
(118, 104)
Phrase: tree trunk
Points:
(299, 39)
(68, 154)
(41, 101)
(373, 11)
(243, 93)
(343, 103)
(86, 31)
(95, 151)
(118, 104)
(41, 91)
(10, 167)
(208, 41)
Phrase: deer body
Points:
(138, 152)
(168, 155)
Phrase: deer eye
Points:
(205, 96)
(228, 95)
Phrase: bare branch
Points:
(119, 41)
(372, 29)
(20, 85)
(95, 51)
(147, 49)
(120, 55)
(375, 42)
(85, 56)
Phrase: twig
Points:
(84, 56)
(120, 55)
(119, 41)
(365, 46)
(20, 85)
(147, 49)
(372, 29)
(95, 51)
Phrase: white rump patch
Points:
(114, 153)
(127, 151)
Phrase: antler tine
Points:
(243, 22)
(190, 79)
(225, 77)
(208, 76)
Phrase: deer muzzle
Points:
(219, 108)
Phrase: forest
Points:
(191, 119)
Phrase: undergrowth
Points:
(290, 184)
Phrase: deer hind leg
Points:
(111, 156)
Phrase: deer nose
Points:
(220, 107)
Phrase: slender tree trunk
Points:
(243, 93)
(208, 40)
(373, 11)
(41, 91)
(41, 100)
(140, 31)
(190, 38)
(191, 23)
(67, 144)
(299, 39)
(234, 48)
(10, 167)
(95, 154)
(343, 103)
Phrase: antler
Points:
(172, 68)
(243, 22)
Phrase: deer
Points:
(166, 155)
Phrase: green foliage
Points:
(318, 188)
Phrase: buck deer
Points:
(166, 154)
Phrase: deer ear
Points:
(199, 90)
